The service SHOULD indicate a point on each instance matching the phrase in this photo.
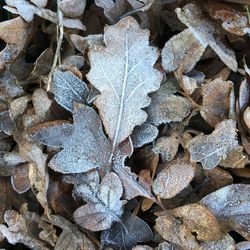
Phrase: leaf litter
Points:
(124, 124)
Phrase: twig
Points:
(57, 57)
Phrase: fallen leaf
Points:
(216, 101)
(68, 89)
(104, 207)
(125, 234)
(182, 52)
(204, 32)
(230, 205)
(15, 33)
(126, 51)
(211, 149)
(80, 142)
(175, 176)
(144, 134)
(73, 8)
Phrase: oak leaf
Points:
(123, 72)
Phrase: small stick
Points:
(57, 57)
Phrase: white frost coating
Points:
(231, 206)
(204, 31)
(182, 51)
(123, 72)
(144, 134)
(211, 149)
(104, 207)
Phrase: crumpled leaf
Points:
(244, 245)
(81, 142)
(182, 52)
(204, 31)
(188, 226)
(6, 123)
(103, 207)
(173, 178)
(40, 3)
(144, 134)
(125, 235)
(72, 8)
(20, 178)
(233, 21)
(71, 237)
(166, 107)
(15, 33)
(27, 12)
(216, 101)
(211, 149)
(167, 146)
(19, 230)
(116, 71)
(230, 205)
(68, 89)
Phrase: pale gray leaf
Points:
(126, 235)
(123, 72)
(231, 206)
(144, 134)
(103, 207)
(72, 8)
(84, 144)
(211, 149)
(6, 123)
(68, 89)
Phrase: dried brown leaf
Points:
(173, 178)
(72, 8)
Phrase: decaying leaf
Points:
(71, 237)
(104, 206)
(68, 89)
(216, 101)
(188, 226)
(80, 142)
(19, 230)
(20, 178)
(6, 123)
(204, 31)
(72, 8)
(126, 234)
(182, 52)
(116, 71)
(15, 33)
(211, 149)
(173, 178)
(230, 205)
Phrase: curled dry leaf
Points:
(173, 178)
(233, 21)
(123, 72)
(15, 33)
(20, 178)
(68, 89)
(216, 101)
(20, 231)
(231, 206)
(71, 237)
(182, 52)
(246, 117)
(6, 123)
(126, 234)
(211, 149)
(188, 225)
(244, 245)
(84, 144)
(204, 31)
(103, 207)
(40, 3)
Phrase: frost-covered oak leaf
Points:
(124, 74)
(104, 206)
(211, 149)
(84, 144)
